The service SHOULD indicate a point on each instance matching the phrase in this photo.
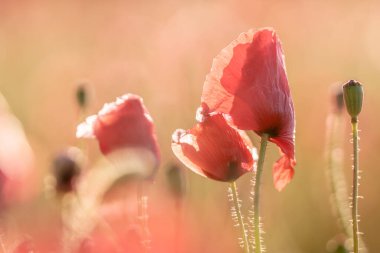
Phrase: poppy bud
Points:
(337, 98)
(81, 95)
(339, 244)
(176, 180)
(66, 169)
(353, 97)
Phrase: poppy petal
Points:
(283, 171)
(86, 129)
(121, 125)
(214, 149)
(248, 82)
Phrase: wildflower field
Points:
(189, 126)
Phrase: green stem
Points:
(240, 217)
(355, 187)
(143, 216)
(256, 198)
(335, 174)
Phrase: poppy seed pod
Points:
(353, 98)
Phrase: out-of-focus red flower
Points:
(121, 230)
(123, 124)
(214, 149)
(24, 246)
(248, 82)
(17, 177)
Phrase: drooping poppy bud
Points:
(353, 97)
(66, 169)
(248, 82)
(214, 149)
(123, 125)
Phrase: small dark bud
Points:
(176, 180)
(66, 169)
(338, 245)
(81, 95)
(353, 98)
(337, 98)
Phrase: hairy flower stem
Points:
(355, 184)
(256, 197)
(335, 173)
(240, 217)
(143, 216)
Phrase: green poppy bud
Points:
(81, 95)
(353, 98)
(176, 180)
(337, 100)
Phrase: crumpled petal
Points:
(214, 149)
(283, 171)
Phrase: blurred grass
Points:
(162, 50)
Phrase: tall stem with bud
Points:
(355, 190)
(353, 97)
(81, 97)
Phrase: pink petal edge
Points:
(283, 171)
(86, 128)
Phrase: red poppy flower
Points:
(17, 176)
(248, 82)
(123, 124)
(214, 149)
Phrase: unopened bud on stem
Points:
(66, 169)
(353, 98)
(81, 95)
(177, 181)
(337, 98)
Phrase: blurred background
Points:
(162, 51)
